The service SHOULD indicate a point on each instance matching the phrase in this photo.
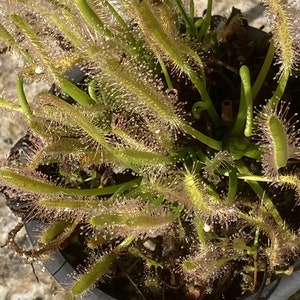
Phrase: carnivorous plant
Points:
(169, 162)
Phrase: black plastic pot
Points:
(282, 288)
(57, 264)
(59, 268)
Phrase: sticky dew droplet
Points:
(39, 70)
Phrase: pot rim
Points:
(59, 268)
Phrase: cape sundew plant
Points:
(168, 162)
